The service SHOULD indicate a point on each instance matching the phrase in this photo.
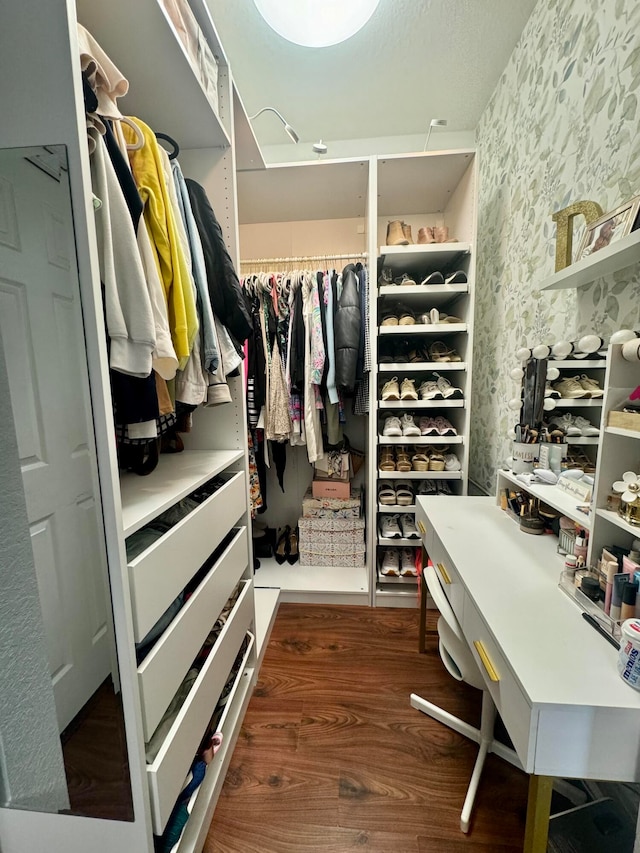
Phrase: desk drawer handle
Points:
(486, 661)
(421, 527)
(444, 573)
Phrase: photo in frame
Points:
(610, 228)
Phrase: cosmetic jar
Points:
(629, 654)
(590, 586)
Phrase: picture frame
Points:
(610, 228)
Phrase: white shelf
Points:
(423, 329)
(248, 153)
(143, 498)
(553, 496)
(421, 404)
(419, 475)
(311, 582)
(392, 509)
(625, 433)
(614, 518)
(266, 603)
(435, 294)
(410, 580)
(617, 256)
(420, 183)
(418, 259)
(164, 89)
(399, 543)
(591, 440)
(421, 366)
(579, 364)
(579, 403)
(424, 439)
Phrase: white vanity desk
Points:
(552, 677)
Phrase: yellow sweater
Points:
(146, 166)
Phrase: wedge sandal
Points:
(386, 495)
(405, 495)
(407, 319)
(420, 462)
(436, 461)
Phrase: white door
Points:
(42, 334)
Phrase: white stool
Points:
(460, 664)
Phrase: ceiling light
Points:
(435, 122)
(316, 23)
(290, 131)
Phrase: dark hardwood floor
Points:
(333, 758)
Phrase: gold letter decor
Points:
(591, 211)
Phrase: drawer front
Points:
(162, 671)
(167, 774)
(424, 526)
(163, 570)
(510, 701)
(449, 578)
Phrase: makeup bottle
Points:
(616, 596)
(629, 594)
(611, 568)
(580, 546)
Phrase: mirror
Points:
(62, 735)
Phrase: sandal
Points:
(433, 278)
(449, 318)
(430, 318)
(405, 495)
(405, 279)
(439, 351)
(420, 462)
(403, 462)
(389, 320)
(407, 319)
(436, 461)
(387, 462)
(417, 355)
(386, 495)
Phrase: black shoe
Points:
(281, 552)
(293, 555)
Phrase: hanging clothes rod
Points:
(304, 259)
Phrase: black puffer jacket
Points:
(227, 299)
(347, 330)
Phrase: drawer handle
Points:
(486, 660)
(444, 573)
(421, 527)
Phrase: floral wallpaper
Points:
(561, 126)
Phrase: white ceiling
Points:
(413, 61)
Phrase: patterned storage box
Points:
(354, 559)
(332, 507)
(336, 531)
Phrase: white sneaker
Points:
(408, 562)
(591, 385)
(391, 390)
(429, 390)
(549, 391)
(389, 527)
(408, 390)
(446, 388)
(390, 565)
(570, 388)
(392, 426)
(567, 424)
(451, 462)
(585, 426)
(408, 526)
(409, 426)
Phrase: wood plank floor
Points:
(333, 758)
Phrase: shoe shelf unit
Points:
(316, 211)
(593, 369)
(619, 451)
(422, 191)
(617, 256)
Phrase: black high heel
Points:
(281, 552)
(293, 555)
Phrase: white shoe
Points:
(591, 385)
(390, 565)
(429, 390)
(570, 388)
(549, 391)
(391, 390)
(446, 388)
(408, 390)
(409, 426)
(451, 462)
(392, 426)
(408, 526)
(408, 563)
(567, 424)
(389, 527)
(585, 426)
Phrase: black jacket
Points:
(347, 330)
(227, 300)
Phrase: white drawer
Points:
(449, 578)
(162, 671)
(164, 569)
(167, 773)
(509, 699)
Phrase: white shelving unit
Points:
(424, 190)
(551, 495)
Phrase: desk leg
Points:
(422, 630)
(538, 807)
